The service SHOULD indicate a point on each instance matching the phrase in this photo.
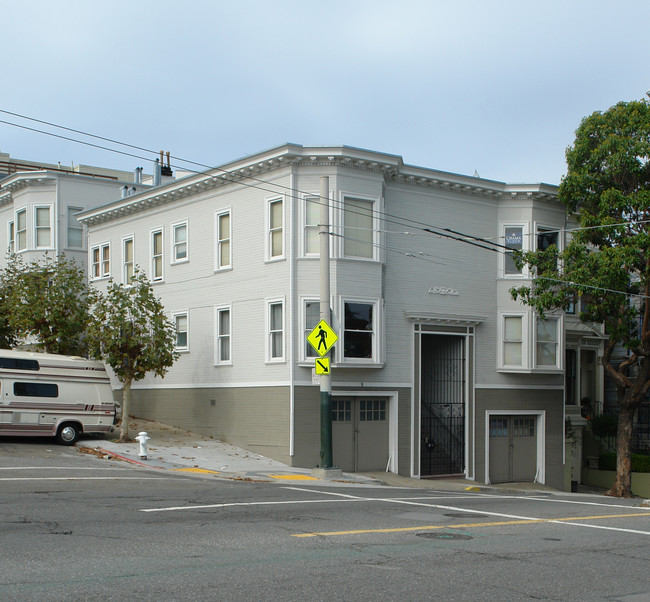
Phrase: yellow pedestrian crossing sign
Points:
(322, 365)
(322, 338)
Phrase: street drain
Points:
(448, 536)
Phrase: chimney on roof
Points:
(138, 175)
(125, 190)
(156, 173)
(166, 170)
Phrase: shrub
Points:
(604, 425)
(640, 463)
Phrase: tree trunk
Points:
(126, 408)
(623, 484)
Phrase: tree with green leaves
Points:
(606, 262)
(47, 302)
(130, 332)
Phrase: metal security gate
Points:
(442, 409)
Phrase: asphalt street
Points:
(78, 526)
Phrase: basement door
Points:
(360, 433)
(513, 448)
(442, 407)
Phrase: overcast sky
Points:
(462, 86)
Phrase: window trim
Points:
(70, 211)
(152, 257)
(269, 201)
(525, 246)
(270, 359)
(129, 238)
(101, 274)
(11, 237)
(174, 245)
(525, 342)
(304, 357)
(218, 336)
(559, 344)
(306, 200)
(218, 267)
(175, 315)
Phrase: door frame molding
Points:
(393, 397)
(540, 433)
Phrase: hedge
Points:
(640, 463)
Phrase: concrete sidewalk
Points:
(172, 448)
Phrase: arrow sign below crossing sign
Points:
(323, 365)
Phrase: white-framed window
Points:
(223, 335)
(360, 319)
(547, 237)
(275, 324)
(43, 227)
(100, 261)
(311, 317)
(157, 255)
(75, 229)
(11, 238)
(182, 330)
(311, 241)
(223, 240)
(358, 228)
(275, 229)
(513, 350)
(21, 229)
(180, 242)
(128, 261)
(547, 343)
(514, 236)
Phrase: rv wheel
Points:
(67, 434)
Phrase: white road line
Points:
(58, 468)
(244, 504)
(85, 478)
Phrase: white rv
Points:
(42, 394)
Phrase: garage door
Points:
(360, 433)
(513, 448)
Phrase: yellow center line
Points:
(466, 525)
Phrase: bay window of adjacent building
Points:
(223, 246)
(156, 255)
(100, 261)
(179, 242)
(223, 336)
(43, 227)
(275, 320)
(75, 229)
(11, 238)
(21, 230)
(275, 235)
(359, 324)
(128, 265)
(358, 228)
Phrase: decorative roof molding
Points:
(443, 319)
(252, 171)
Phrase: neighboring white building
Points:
(38, 211)
(437, 370)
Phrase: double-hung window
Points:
(275, 318)
(75, 229)
(546, 343)
(223, 246)
(179, 242)
(181, 324)
(514, 241)
(312, 317)
(547, 238)
(43, 227)
(100, 261)
(156, 255)
(358, 228)
(21, 230)
(513, 341)
(223, 336)
(11, 238)
(359, 326)
(312, 225)
(275, 235)
(128, 265)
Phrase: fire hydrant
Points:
(142, 438)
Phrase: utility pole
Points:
(325, 379)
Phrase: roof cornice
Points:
(253, 171)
